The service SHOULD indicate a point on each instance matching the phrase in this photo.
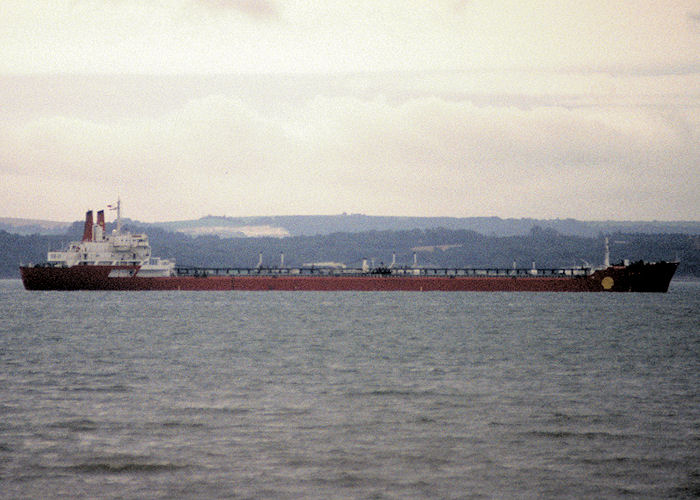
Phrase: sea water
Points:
(349, 395)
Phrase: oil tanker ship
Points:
(122, 261)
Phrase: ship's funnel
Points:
(101, 219)
(87, 231)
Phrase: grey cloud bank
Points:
(259, 107)
(423, 154)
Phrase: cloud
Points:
(333, 154)
(694, 21)
(209, 136)
(460, 5)
(227, 36)
(258, 9)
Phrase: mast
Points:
(606, 257)
(119, 214)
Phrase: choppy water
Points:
(349, 395)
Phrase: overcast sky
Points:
(462, 108)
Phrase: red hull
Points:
(635, 278)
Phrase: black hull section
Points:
(650, 277)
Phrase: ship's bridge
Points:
(119, 248)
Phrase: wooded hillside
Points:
(437, 247)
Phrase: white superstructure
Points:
(120, 248)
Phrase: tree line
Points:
(437, 247)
